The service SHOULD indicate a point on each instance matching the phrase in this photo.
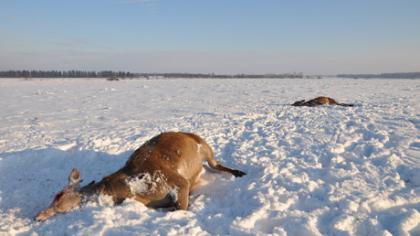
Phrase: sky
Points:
(211, 36)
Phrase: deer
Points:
(320, 101)
(161, 173)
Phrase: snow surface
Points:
(310, 171)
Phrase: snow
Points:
(310, 171)
(146, 183)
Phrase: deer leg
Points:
(194, 181)
(345, 105)
(180, 190)
(299, 103)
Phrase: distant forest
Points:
(409, 75)
(64, 74)
(123, 75)
(115, 75)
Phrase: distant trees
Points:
(64, 74)
(409, 75)
(219, 76)
(121, 75)
(114, 75)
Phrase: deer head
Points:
(64, 201)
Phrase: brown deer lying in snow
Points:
(161, 173)
(320, 101)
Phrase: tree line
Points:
(64, 74)
(122, 74)
(219, 76)
(109, 74)
(408, 75)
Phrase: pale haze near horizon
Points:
(313, 37)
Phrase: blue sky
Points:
(314, 37)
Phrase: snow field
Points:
(310, 171)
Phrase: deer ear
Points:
(74, 177)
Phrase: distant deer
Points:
(161, 173)
(320, 101)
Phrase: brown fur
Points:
(175, 158)
(320, 101)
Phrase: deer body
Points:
(320, 101)
(161, 173)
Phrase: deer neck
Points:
(113, 185)
(91, 191)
